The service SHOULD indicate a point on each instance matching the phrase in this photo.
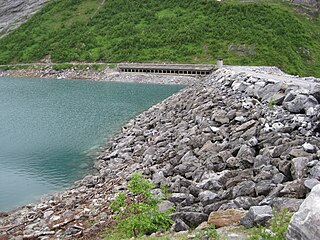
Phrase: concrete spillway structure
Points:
(177, 69)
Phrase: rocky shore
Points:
(231, 144)
(108, 74)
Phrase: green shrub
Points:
(62, 66)
(16, 67)
(165, 190)
(99, 67)
(277, 229)
(112, 65)
(137, 211)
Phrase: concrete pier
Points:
(219, 63)
(175, 69)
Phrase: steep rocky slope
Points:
(14, 13)
(312, 3)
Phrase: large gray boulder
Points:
(192, 219)
(270, 90)
(257, 215)
(299, 103)
(180, 225)
(304, 224)
(180, 197)
(299, 167)
(207, 197)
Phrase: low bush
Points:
(137, 212)
(62, 66)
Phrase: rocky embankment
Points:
(15, 12)
(228, 144)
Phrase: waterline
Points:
(49, 126)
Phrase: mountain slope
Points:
(169, 30)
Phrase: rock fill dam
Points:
(232, 141)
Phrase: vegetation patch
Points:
(61, 66)
(137, 212)
(277, 228)
(243, 33)
(16, 67)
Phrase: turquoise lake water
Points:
(47, 128)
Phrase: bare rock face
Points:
(304, 224)
(313, 3)
(15, 12)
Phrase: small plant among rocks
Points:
(209, 233)
(137, 210)
(277, 229)
(165, 190)
(271, 103)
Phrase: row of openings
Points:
(165, 71)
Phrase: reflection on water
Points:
(48, 126)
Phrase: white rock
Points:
(308, 147)
(247, 105)
(253, 142)
(240, 119)
(277, 126)
(215, 129)
(267, 128)
(311, 183)
(47, 214)
(235, 86)
(55, 218)
(310, 111)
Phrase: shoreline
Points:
(225, 116)
(93, 172)
(96, 150)
(107, 75)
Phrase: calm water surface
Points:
(47, 128)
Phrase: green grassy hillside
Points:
(185, 31)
